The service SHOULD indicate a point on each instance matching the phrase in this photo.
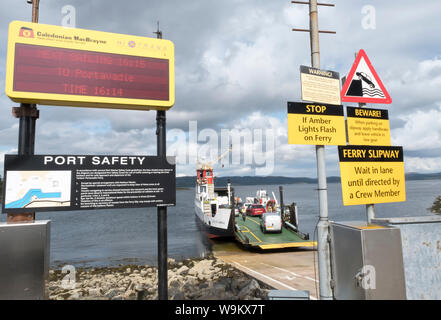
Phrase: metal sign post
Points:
(324, 263)
(370, 209)
(162, 211)
(323, 225)
(28, 114)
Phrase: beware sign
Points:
(368, 127)
(316, 124)
(363, 84)
(371, 174)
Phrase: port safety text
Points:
(95, 160)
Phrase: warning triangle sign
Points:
(363, 84)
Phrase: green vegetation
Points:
(436, 207)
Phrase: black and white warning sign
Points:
(68, 182)
(320, 86)
(363, 83)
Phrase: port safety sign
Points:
(316, 124)
(368, 127)
(371, 174)
(53, 65)
(67, 182)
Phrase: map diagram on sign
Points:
(31, 189)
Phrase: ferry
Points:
(276, 228)
(213, 206)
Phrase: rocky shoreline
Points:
(192, 279)
(436, 207)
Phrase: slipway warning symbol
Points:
(363, 83)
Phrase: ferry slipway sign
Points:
(371, 174)
(363, 84)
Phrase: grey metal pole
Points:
(324, 264)
(281, 200)
(162, 217)
(162, 211)
(370, 210)
(28, 114)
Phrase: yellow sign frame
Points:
(101, 42)
(372, 174)
(368, 127)
(316, 124)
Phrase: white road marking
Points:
(271, 279)
(293, 273)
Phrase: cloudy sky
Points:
(237, 65)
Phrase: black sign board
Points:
(76, 182)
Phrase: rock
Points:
(139, 287)
(94, 292)
(203, 266)
(75, 295)
(249, 290)
(238, 284)
(178, 296)
(436, 207)
(175, 282)
(192, 272)
(112, 293)
(203, 285)
(190, 279)
(130, 294)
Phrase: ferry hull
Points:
(219, 226)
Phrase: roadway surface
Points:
(283, 270)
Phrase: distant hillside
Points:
(423, 176)
(251, 180)
(189, 181)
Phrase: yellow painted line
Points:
(256, 237)
(289, 245)
(372, 226)
(253, 221)
(248, 230)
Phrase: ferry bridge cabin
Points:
(205, 176)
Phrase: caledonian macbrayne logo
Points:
(26, 32)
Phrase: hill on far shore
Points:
(189, 181)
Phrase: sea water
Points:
(129, 236)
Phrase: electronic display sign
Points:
(54, 65)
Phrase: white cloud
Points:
(237, 64)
